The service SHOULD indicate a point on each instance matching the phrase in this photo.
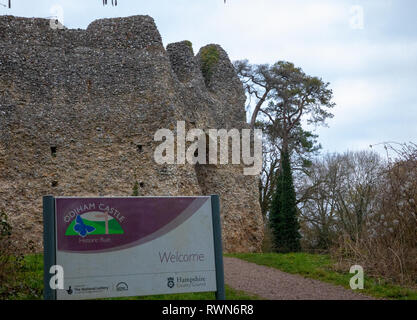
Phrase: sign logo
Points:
(81, 228)
(94, 223)
(170, 283)
(122, 286)
(69, 291)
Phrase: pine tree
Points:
(283, 213)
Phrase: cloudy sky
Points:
(366, 49)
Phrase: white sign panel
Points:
(116, 247)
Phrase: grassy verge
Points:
(28, 285)
(320, 267)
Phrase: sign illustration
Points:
(94, 223)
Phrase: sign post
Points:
(49, 245)
(119, 247)
(218, 250)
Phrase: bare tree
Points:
(387, 246)
(318, 203)
(339, 195)
(357, 190)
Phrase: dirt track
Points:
(273, 284)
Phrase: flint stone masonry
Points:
(94, 96)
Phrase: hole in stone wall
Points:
(54, 183)
(141, 184)
(139, 147)
(53, 151)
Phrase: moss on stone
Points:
(189, 44)
(209, 58)
(135, 190)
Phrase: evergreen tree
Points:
(283, 213)
(276, 219)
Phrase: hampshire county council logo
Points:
(94, 223)
(170, 283)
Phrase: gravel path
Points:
(272, 284)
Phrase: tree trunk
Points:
(257, 108)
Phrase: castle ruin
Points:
(79, 109)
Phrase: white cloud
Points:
(280, 18)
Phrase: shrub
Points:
(209, 58)
(5, 246)
(11, 261)
(388, 246)
(189, 44)
(135, 190)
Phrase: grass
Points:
(28, 282)
(320, 267)
(231, 294)
(28, 285)
(25, 279)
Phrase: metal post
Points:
(49, 258)
(218, 250)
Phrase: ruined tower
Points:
(79, 109)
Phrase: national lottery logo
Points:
(122, 286)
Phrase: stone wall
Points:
(79, 108)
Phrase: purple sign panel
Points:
(93, 225)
